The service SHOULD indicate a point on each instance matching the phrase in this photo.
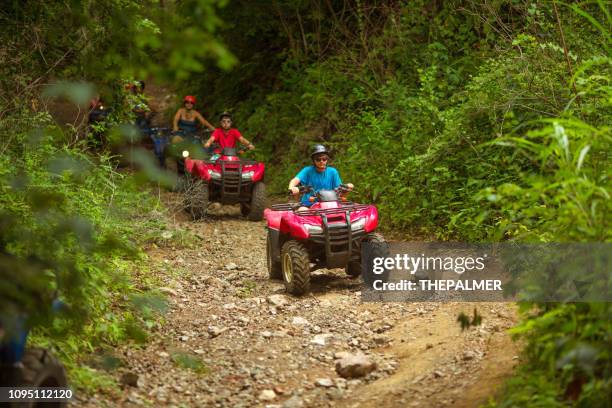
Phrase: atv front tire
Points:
(379, 250)
(196, 198)
(275, 270)
(296, 268)
(353, 269)
(258, 201)
(38, 368)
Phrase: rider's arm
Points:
(293, 185)
(209, 141)
(242, 140)
(177, 116)
(204, 122)
(338, 181)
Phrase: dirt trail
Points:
(251, 337)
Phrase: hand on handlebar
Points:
(300, 190)
(344, 188)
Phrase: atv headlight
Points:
(185, 154)
(359, 224)
(248, 175)
(314, 229)
(214, 174)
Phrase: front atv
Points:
(227, 180)
(327, 235)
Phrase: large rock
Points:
(354, 366)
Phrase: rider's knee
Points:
(176, 139)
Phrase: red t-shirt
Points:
(226, 139)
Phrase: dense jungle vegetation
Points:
(476, 121)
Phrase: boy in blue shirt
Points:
(318, 175)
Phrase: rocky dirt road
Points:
(233, 338)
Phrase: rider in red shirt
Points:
(226, 136)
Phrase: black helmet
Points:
(318, 149)
(225, 114)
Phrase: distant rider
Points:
(140, 105)
(186, 120)
(226, 135)
(319, 176)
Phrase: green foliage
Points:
(70, 223)
(467, 120)
(471, 121)
(68, 230)
(570, 344)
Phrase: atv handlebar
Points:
(340, 190)
(343, 189)
(302, 190)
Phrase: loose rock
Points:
(324, 382)
(469, 355)
(294, 402)
(266, 395)
(300, 321)
(277, 300)
(215, 331)
(355, 365)
(130, 379)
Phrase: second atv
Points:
(226, 180)
(329, 235)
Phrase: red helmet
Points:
(190, 99)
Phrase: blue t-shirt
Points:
(327, 179)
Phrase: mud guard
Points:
(274, 238)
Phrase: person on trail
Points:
(319, 176)
(140, 105)
(226, 135)
(186, 120)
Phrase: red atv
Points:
(329, 235)
(227, 179)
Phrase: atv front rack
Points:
(344, 207)
(231, 181)
(241, 161)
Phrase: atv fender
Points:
(292, 225)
